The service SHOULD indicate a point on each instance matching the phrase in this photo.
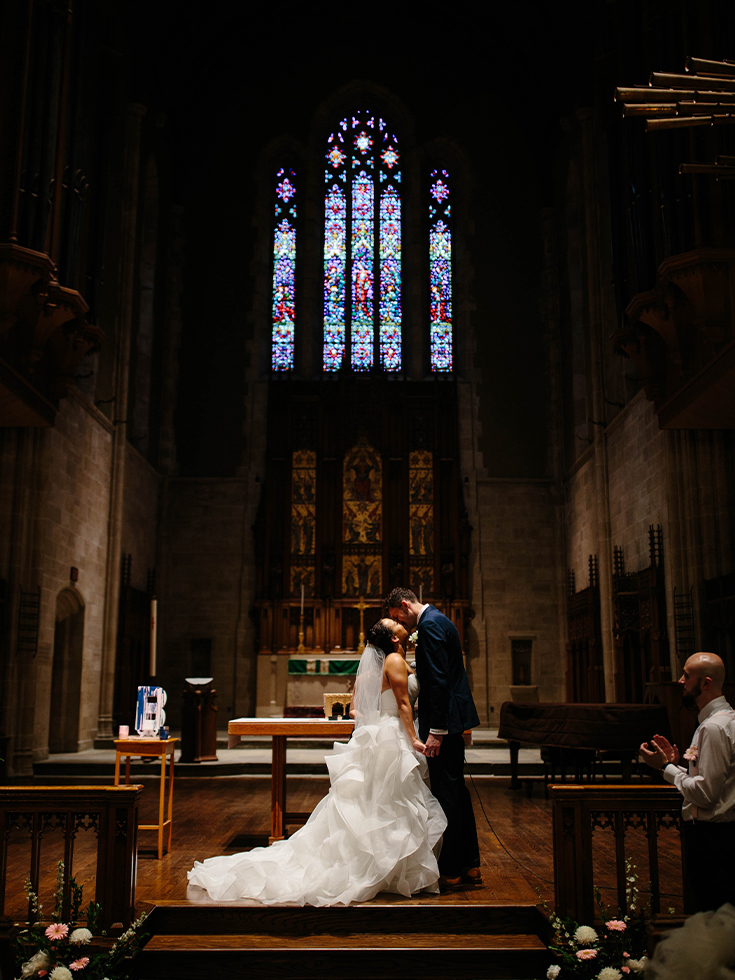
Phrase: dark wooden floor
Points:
(515, 840)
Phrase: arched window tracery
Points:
(361, 263)
(284, 272)
(440, 271)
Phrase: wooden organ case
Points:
(362, 493)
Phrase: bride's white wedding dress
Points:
(376, 830)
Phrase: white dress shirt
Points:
(708, 787)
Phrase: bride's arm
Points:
(396, 673)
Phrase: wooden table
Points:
(137, 746)
(279, 729)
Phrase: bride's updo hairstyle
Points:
(381, 637)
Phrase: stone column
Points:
(19, 679)
(123, 326)
(596, 395)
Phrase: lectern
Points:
(199, 721)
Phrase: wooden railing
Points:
(579, 810)
(111, 812)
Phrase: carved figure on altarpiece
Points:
(361, 575)
(362, 496)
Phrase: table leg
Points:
(170, 800)
(127, 770)
(513, 748)
(117, 769)
(161, 802)
(278, 789)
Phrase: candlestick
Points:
(302, 598)
(154, 617)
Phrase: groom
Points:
(446, 710)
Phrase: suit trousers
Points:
(460, 849)
(709, 864)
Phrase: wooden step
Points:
(389, 941)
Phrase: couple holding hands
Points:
(380, 827)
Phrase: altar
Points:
(289, 679)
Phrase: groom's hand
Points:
(433, 745)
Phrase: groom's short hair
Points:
(399, 595)
(381, 636)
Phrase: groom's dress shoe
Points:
(471, 876)
(450, 883)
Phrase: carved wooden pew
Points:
(111, 812)
(580, 809)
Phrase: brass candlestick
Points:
(301, 648)
(362, 606)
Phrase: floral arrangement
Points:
(616, 951)
(63, 951)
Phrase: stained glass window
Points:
(362, 289)
(440, 271)
(284, 272)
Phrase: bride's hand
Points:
(419, 746)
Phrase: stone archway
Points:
(66, 673)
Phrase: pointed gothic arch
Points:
(66, 672)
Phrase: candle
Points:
(152, 663)
(123, 731)
(302, 598)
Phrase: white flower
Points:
(60, 973)
(40, 961)
(609, 973)
(585, 935)
(638, 966)
(414, 637)
(553, 972)
(80, 936)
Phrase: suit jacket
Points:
(445, 699)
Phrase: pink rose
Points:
(586, 954)
(625, 969)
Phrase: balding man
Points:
(708, 786)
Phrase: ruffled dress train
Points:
(378, 829)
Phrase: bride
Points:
(377, 829)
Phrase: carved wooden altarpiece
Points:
(361, 493)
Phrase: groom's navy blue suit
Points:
(445, 703)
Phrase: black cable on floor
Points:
(546, 881)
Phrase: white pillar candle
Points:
(154, 618)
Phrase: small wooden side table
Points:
(137, 746)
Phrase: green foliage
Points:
(41, 947)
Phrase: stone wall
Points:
(636, 453)
(72, 511)
(208, 549)
(517, 588)
(140, 517)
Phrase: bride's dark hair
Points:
(381, 637)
